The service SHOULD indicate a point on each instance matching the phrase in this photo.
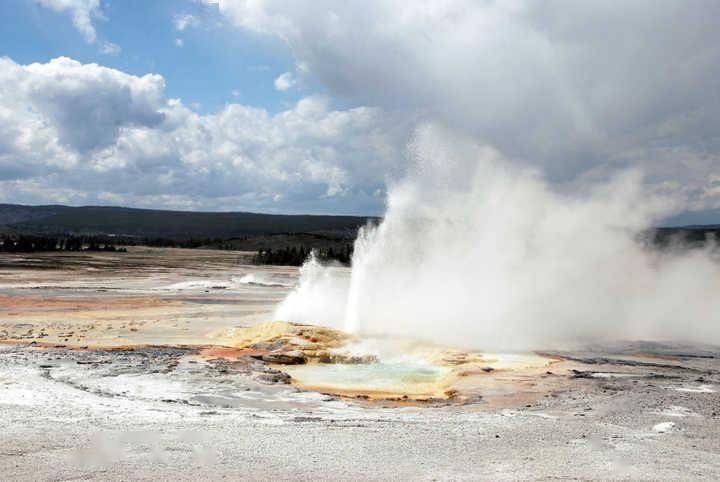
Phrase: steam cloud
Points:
(478, 251)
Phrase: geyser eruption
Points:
(477, 251)
(321, 295)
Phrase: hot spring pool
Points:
(372, 379)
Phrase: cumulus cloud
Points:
(82, 133)
(284, 82)
(82, 12)
(184, 21)
(109, 48)
(86, 104)
(576, 88)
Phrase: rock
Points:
(451, 393)
(323, 356)
(269, 346)
(288, 358)
(273, 377)
(362, 359)
(307, 419)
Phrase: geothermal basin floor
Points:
(165, 413)
(184, 412)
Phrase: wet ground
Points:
(192, 411)
(144, 296)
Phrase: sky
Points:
(300, 106)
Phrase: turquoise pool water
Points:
(399, 378)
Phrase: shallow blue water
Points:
(411, 377)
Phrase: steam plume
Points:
(477, 251)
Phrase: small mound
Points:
(293, 333)
(290, 343)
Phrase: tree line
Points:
(190, 243)
(296, 256)
(32, 244)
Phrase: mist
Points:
(480, 251)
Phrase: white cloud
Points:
(87, 105)
(83, 133)
(571, 87)
(109, 48)
(577, 89)
(184, 21)
(179, 42)
(82, 12)
(284, 82)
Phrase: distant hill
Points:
(238, 230)
(177, 225)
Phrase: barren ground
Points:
(105, 373)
